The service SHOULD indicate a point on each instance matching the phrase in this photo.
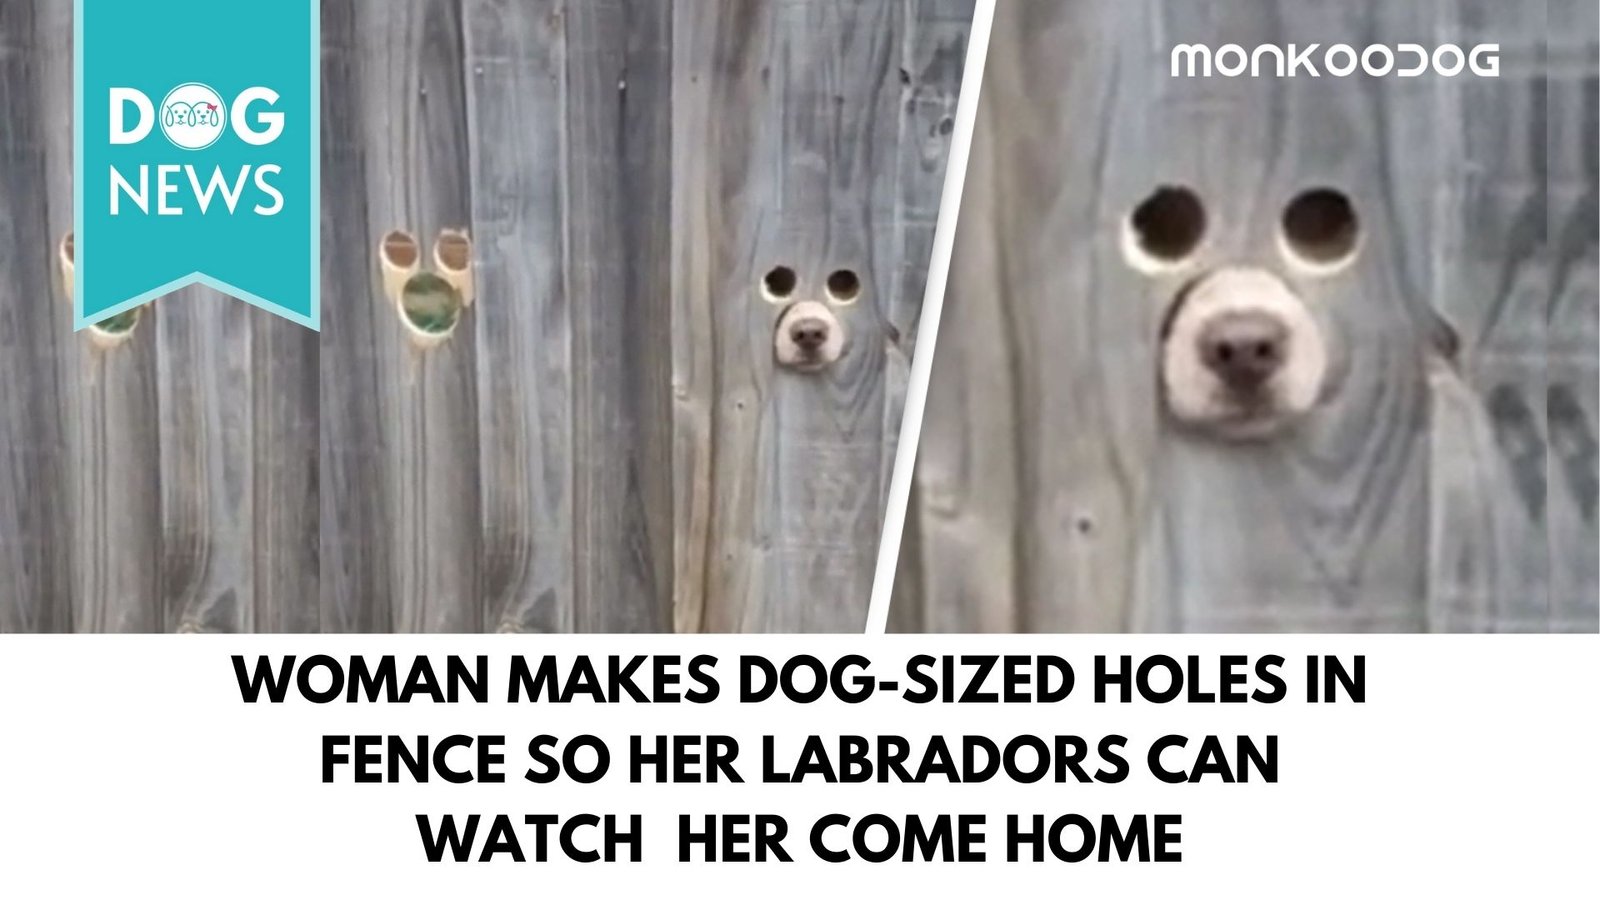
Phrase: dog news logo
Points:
(1336, 60)
(197, 162)
(192, 115)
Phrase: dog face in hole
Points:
(809, 337)
(1242, 357)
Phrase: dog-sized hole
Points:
(400, 249)
(779, 284)
(430, 305)
(118, 326)
(844, 285)
(1167, 225)
(454, 251)
(66, 263)
(1320, 226)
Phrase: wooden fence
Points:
(1449, 484)
(603, 441)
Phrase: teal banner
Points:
(197, 153)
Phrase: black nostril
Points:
(1243, 349)
(809, 335)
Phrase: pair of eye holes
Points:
(112, 329)
(778, 285)
(1318, 226)
(431, 303)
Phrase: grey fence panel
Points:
(1052, 491)
(603, 423)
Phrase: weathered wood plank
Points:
(1415, 497)
(1490, 569)
(205, 395)
(116, 463)
(1573, 316)
(932, 54)
(401, 520)
(778, 481)
(414, 106)
(1038, 440)
(515, 57)
(286, 484)
(1325, 529)
(712, 72)
(618, 129)
(35, 528)
(355, 578)
(561, 461)
(110, 397)
(159, 482)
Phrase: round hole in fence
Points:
(399, 249)
(844, 286)
(779, 283)
(430, 305)
(1320, 227)
(66, 253)
(118, 326)
(1167, 226)
(454, 251)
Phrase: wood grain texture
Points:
(780, 475)
(205, 398)
(1572, 330)
(516, 55)
(602, 426)
(1490, 497)
(1052, 492)
(146, 449)
(355, 579)
(401, 519)
(1326, 529)
(35, 525)
(153, 454)
(285, 485)
(618, 181)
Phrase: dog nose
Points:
(809, 333)
(1244, 349)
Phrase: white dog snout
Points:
(1244, 349)
(809, 337)
(1242, 354)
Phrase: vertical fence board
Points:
(714, 382)
(932, 54)
(1573, 316)
(1038, 435)
(618, 130)
(602, 442)
(806, 179)
(355, 581)
(1324, 528)
(1390, 509)
(401, 521)
(1489, 488)
(417, 127)
(35, 530)
(116, 460)
(286, 481)
(205, 394)
(516, 84)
